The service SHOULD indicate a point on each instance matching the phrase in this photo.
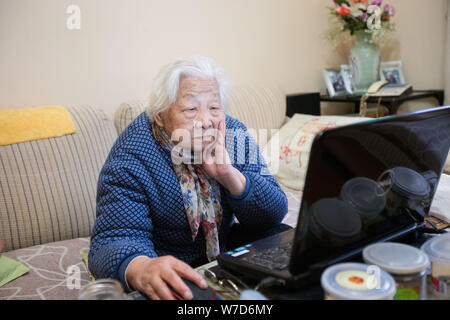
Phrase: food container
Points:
(334, 223)
(409, 189)
(438, 250)
(103, 289)
(365, 195)
(405, 263)
(357, 281)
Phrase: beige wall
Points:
(122, 44)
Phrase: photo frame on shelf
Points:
(346, 72)
(335, 82)
(391, 71)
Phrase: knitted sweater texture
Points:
(140, 207)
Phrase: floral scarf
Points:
(201, 195)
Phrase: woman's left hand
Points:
(217, 164)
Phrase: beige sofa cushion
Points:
(127, 112)
(48, 186)
(258, 107)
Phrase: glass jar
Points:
(411, 286)
(103, 289)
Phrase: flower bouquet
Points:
(366, 20)
(356, 15)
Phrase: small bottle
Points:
(103, 289)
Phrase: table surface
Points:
(391, 102)
(313, 292)
(416, 94)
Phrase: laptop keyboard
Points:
(276, 258)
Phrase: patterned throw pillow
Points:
(287, 153)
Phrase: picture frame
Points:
(391, 71)
(334, 82)
(346, 71)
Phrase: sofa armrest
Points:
(48, 186)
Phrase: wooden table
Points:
(392, 103)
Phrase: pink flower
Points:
(390, 10)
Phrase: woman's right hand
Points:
(152, 276)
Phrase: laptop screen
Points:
(368, 182)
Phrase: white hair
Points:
(166, 84)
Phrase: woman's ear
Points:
(158, 120)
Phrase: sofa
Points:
(48, 198)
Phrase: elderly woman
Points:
(169, 193)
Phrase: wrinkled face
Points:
(195, 114)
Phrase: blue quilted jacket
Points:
(140, 207)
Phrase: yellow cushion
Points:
(21, 125)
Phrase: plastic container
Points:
(438, 250)
(357, 281)
(405, 263)
(365, 195)
(409, 189)
(103, 289)
(251, 295)
(334, 222)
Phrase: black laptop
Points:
(367, 182)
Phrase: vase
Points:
(365, 62)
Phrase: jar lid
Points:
(396, 258)
(438, 248)
(365, 195)
(352, 281)
(336, 217)
(409, 183)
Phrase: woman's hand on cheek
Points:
(217, 164)
(215, 159)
